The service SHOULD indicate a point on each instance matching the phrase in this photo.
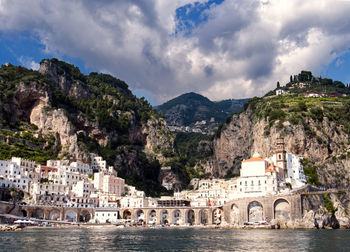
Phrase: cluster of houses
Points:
(280, 173)
(280, 92)
(75, 184)
(96, 185)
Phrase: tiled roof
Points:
(253, 159)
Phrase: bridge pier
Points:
(158, 213)
(62, 212)
(46, 213)
(210, 216)
(78, 211)
(146, 214)
(29, 213)
(197, 220)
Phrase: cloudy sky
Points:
(163, 48)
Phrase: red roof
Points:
(253, 160)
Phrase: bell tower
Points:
(281, 160)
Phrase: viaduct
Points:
(233, 212)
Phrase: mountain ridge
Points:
(189, 108)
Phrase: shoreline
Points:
(111, 226)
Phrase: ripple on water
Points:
(112, 239)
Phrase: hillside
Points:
(58, 112)
(187, 109)
(317, 128)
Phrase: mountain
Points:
(60, 113)
(316, 127)
(187, 109)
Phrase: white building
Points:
(109, 183)
(49, 193)
(133, 202)
(81, 168)
(27, 166)
(98, 164)
(13, 176)
(82, 189)
(106, 215)
(296, 174)
(281, 92)
(257, 178)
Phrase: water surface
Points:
(113, 239)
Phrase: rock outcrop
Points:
(82, 114)
(324, 142)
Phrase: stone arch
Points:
(24, 213)
(152, 217)
(255, 211)
(203, 217)
(190, 217)
(281, 209)
(217, 216)
(164, 217)
(234, 214)
(38, 213)
(177, 217)
(140, 216)
(54, 215)
(85, 216)
(70, 215)
(127, 214)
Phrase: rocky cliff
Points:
(324, 210)
(316, 129)
(71, 114)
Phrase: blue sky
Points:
(163, 48)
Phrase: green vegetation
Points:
(192, 107)
(310, 172)
(11, 75)
(46, 180)
(191, 148)
(21, 140)
(100, 99)
(328, 203)
(297, 110)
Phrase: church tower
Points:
(281, 160)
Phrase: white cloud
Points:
(29, 63)
(243, 49)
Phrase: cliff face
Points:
(82, 114)
(329, 210)
(318, 136)
(233, 145)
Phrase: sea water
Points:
(174, 239)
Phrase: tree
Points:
(278, 84)
(291, 79)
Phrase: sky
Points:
(221, 49)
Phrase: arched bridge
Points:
(234, 212)
(288, 207)
(57, 213)
(174, 215)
